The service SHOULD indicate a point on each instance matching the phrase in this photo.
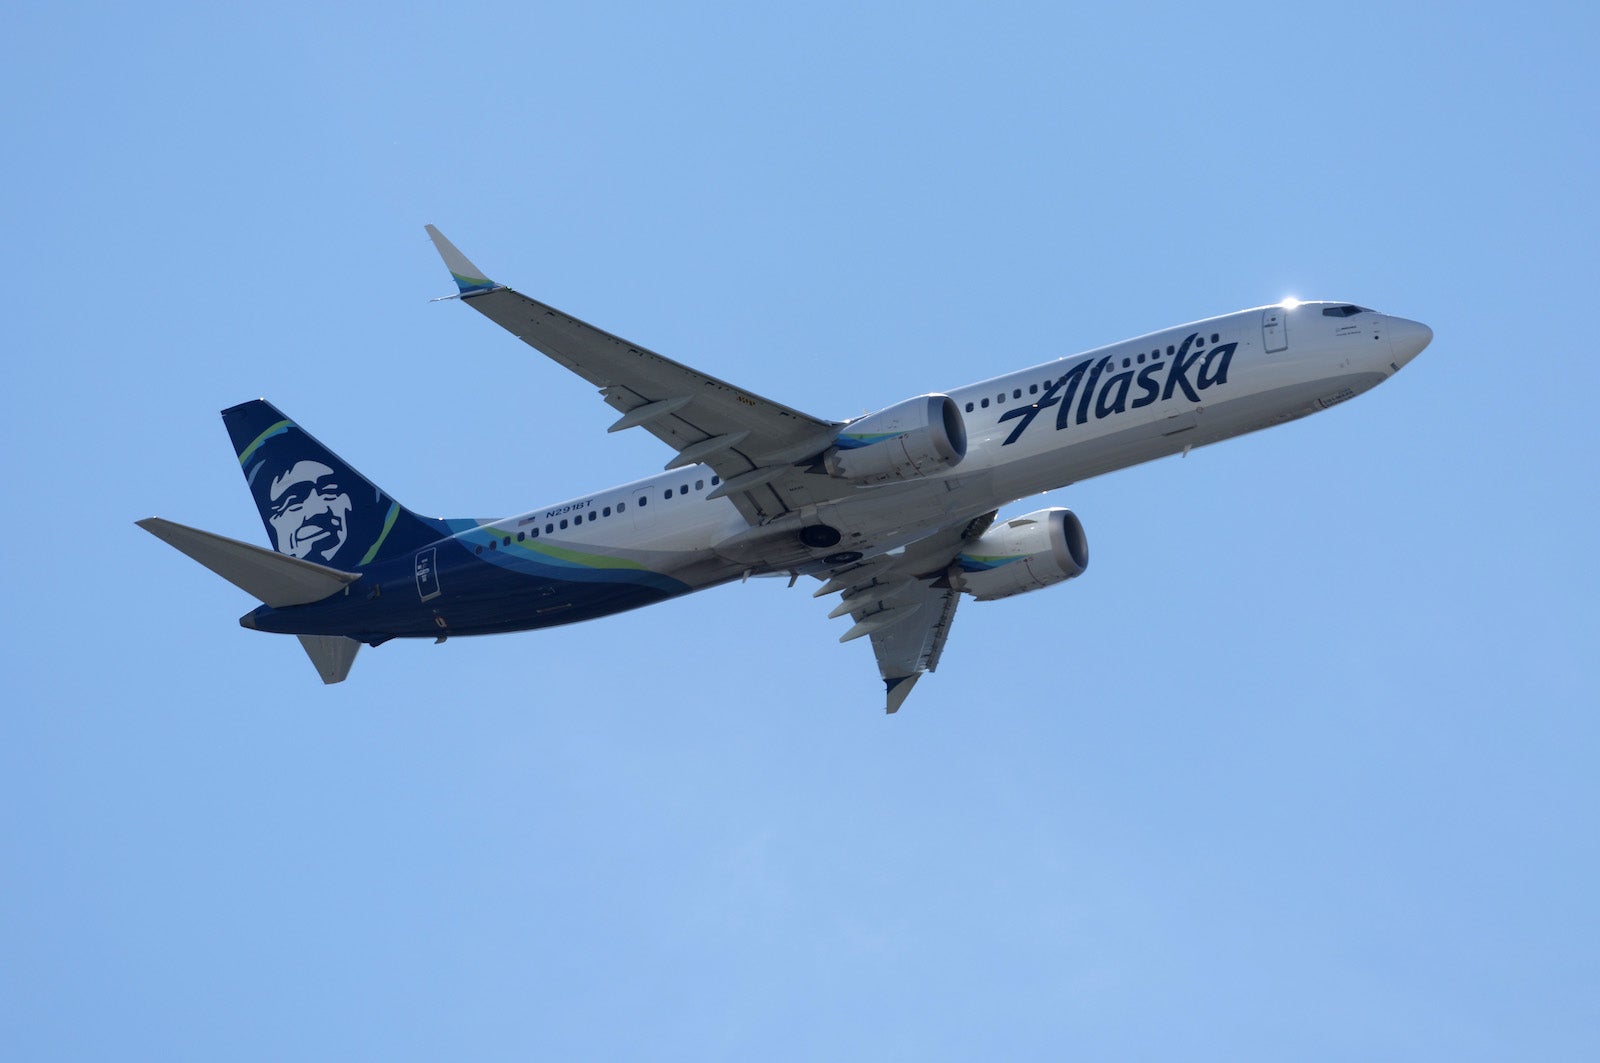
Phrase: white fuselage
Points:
(1028, 431)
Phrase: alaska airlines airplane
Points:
(895, 512)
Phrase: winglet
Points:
(469, 278)
(899, 690)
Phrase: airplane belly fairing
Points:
(475, 599)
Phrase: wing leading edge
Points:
(751, 442)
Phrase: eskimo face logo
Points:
(1210, 369)
(309, 511)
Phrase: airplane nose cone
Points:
(1407, 339)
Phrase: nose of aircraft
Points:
(1407, 338)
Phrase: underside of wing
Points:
(752, 443)
(905, 603)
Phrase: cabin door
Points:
(1274, 329)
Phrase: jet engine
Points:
(908, 440)
(1024, 554)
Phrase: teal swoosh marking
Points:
(472, 284)
(851, 442)
(388, 523)
(277, 429)
(971, 563)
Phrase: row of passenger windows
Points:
(593, 515)
(1127, 363)
(1016, 393)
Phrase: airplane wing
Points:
(752, 443)
(904, 601)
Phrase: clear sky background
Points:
(1304, 767)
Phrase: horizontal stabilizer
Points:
(332, 654)
(272, 578)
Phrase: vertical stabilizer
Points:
(312, 503)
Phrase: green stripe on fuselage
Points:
(579, 558)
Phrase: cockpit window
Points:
(1344, 311)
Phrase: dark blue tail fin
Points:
(314, 505)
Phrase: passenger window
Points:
(622, 507)
(1215, 338)
(699, 485)
(534, 534)
(715, 480)
(1000, 398)
(1140, 359)
(1016, 393)
(986, 404)
(969, 407)
(494, 544)
(667, 496)
(1033, 389)
(683, 489)
(643, 499)
(548, 528)
(593, 516)
(477, 549)
(519, 537)
(1125, 363)
(563, 524)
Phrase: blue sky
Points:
(1303, 767)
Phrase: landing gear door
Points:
(1274, 329)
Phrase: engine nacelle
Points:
(910, 439)
(1023, 554)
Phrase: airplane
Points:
(896, 512)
